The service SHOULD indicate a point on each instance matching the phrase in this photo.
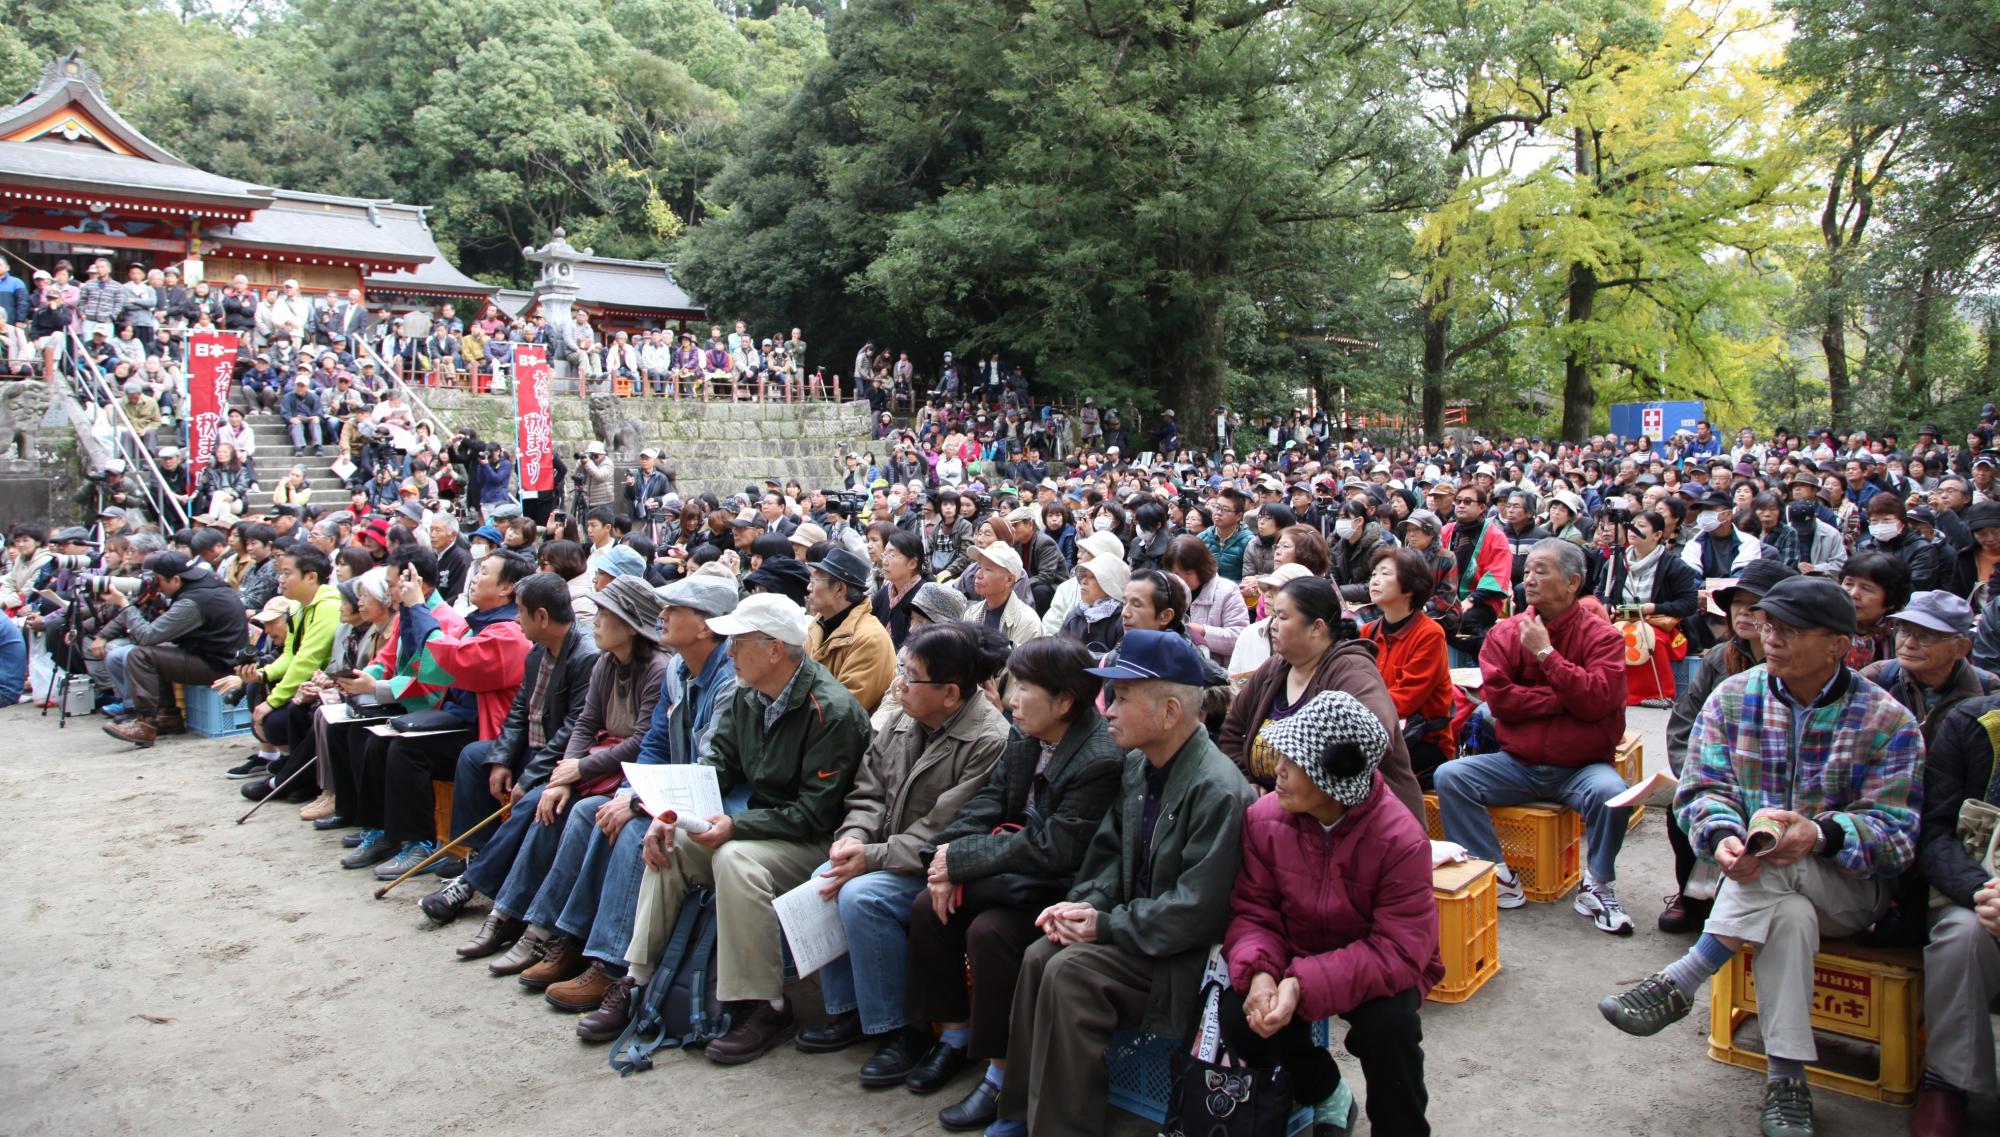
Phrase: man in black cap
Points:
(1800, 785)
(1717, 549)
(846, 638)
(1742, 650)
(192, 642)
(1128, 946)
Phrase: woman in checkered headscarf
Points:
(1333, 915)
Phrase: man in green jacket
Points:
(1127, 949)
(792, 737)
(280, 716)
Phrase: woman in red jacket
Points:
(1410, 650)
(1332, 914)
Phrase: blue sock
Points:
(1784, 1068)
(996, 1075)
(956, 1037)
(1708, 956)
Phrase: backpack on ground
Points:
(678, 1007)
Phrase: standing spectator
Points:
(13, 295)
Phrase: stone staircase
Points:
(274, 459)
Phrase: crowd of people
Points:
(1060, 719)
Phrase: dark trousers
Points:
(409, 808)
(1683, 851)
(991, 942)
(154, 670)
(471, 803)
(1386, 1035)
(291, 725)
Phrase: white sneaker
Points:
(1511, 893)
(1600, 903)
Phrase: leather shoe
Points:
(893, 1060)
(612, 1015)
(332, 821)
(939, 1066)
(582, 994)
(976, 1110)
(562, 960)
(256, 788)
(170, 724)
(494, 934)
(526, 952)
(138, 732)
(837, 1033)
(1939, 1113)
(764, 1027)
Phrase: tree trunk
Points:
(1579, 393)
(1833, 341)
(1196, 361)
(1916, 365)
(1437, 340)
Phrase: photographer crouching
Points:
(193, 641)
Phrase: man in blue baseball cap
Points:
(1127, 947)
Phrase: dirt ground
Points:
(175, 973)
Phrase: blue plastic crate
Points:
(1461, 658)
(1141, 1077)
(1684, 670)
(208, 716)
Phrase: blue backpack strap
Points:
(700, 1030)
(647, 1031)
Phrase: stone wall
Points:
(41, 462)
(714, 446)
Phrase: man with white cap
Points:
(646, 488)
(1102, 543)
(998, 566)
(597, 469)
(846, 638)
(793, 737)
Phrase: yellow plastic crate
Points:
(1630, 759)
(1543, 844)
(1468, 928)
(1872, 995)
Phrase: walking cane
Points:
(303, 767)
(441, 851)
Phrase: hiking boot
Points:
(412, 854)
(562, 959)
(1508, 887)
(444, 905)
(526, 952)
(497, 932)
(138, 732)
(1600, 903)
(612, 1015)
(762, 1028)
(582, 994)
(1787, 1108)
(1684, 914)
(170, 722)
(1940, 1112)
(1647, 1008)
(250, 767)
(321, 806)
(372, 851)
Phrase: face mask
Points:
(1708, 522)
(1345, 528)
(481, 549)
(1884, 530)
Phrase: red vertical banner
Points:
(211, 368)
(534, 401)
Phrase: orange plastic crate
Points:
(1631, 762)
(1468, 928)
(1543, 844)
(1871, 995)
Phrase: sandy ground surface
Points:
(175, 973)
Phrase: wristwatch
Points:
(1543, 655)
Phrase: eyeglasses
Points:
(1783, 632)
(905, 681)
(1468, 501)
(1922, 637)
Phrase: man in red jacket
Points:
(1554, 679)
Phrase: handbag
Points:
(603, 783)
(1021, 890)
(1211, 1094)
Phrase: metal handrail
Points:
(86, 371)
(424, 412)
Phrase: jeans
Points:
(602, 887)
(875, 912)
(537, 854)
(301, 430)
(114, 668)
(1467, 785)
(471, 801)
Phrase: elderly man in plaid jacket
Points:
(1804, 785)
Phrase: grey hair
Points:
(794, 652)
(140, 544)
(1568, 555)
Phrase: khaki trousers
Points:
(1785, 912)
(1067, 1002)
(746, 876)
(1961, 977)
